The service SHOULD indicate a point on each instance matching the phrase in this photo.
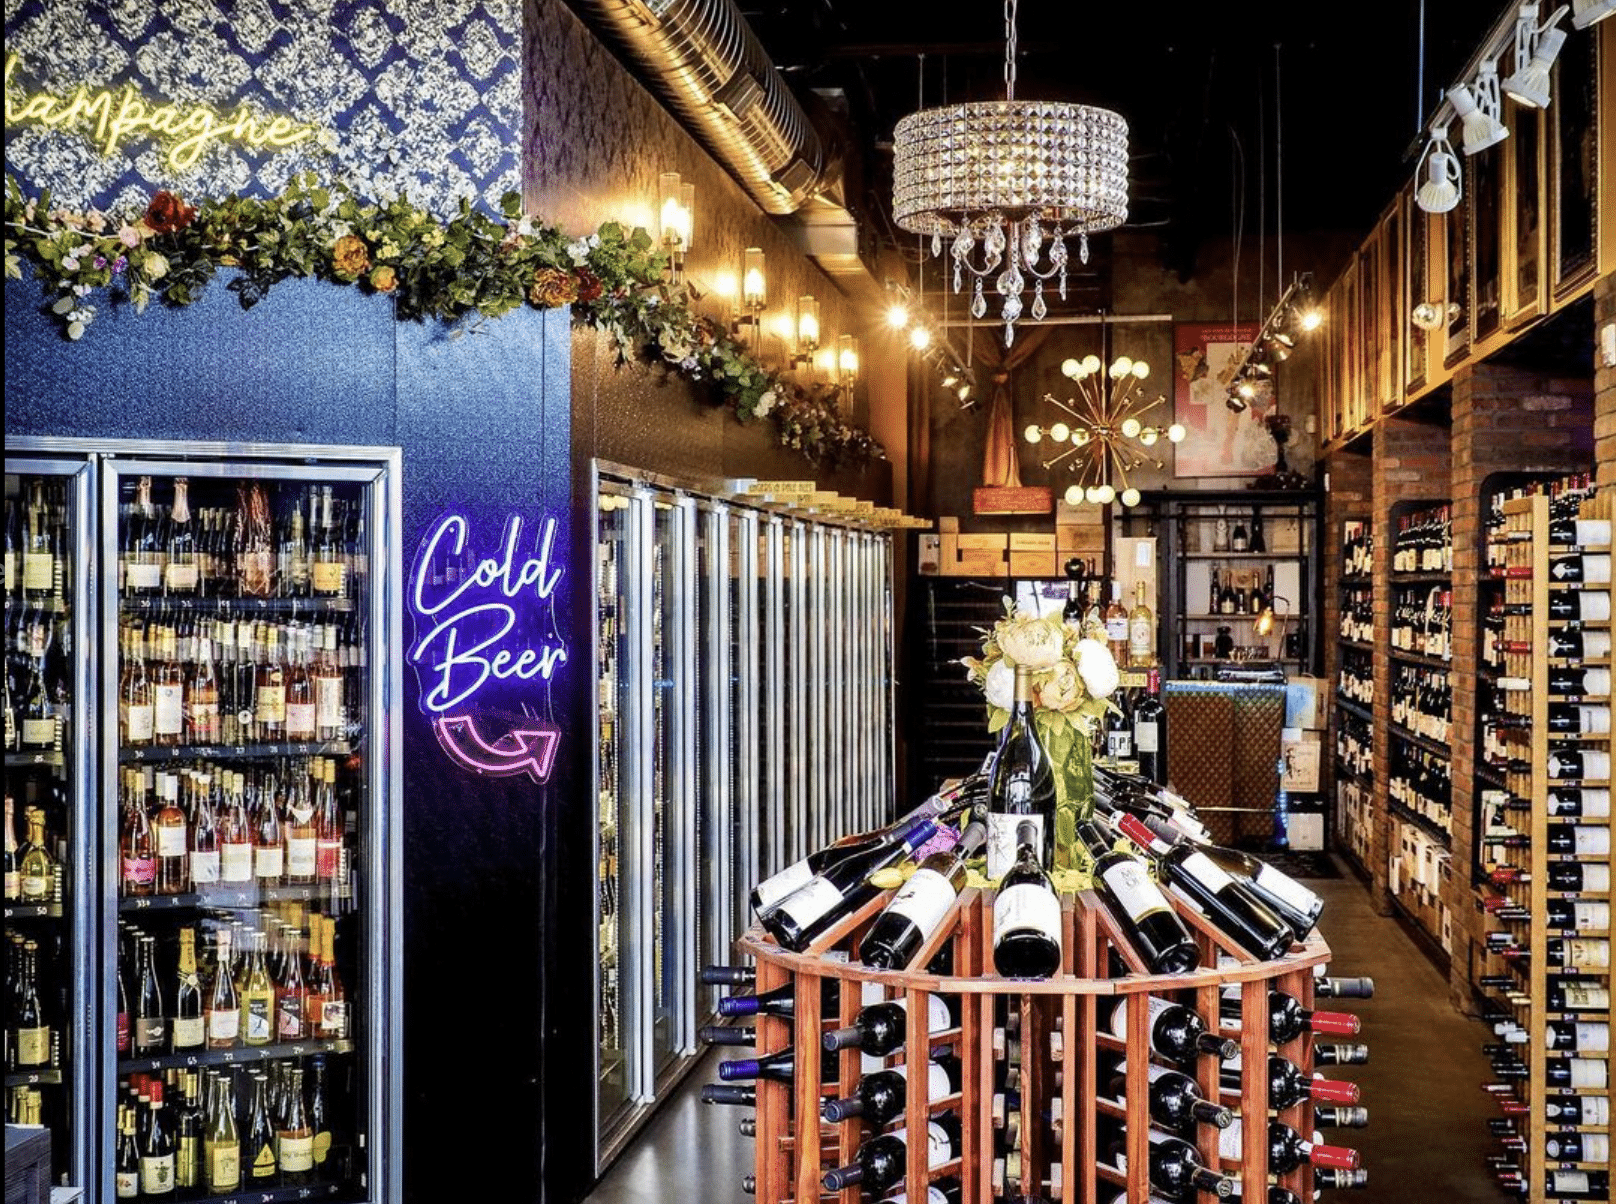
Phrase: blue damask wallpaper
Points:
(422, 97)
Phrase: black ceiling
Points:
(1196, 83)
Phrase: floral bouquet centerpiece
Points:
(1073, 677)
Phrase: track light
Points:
(1479, 109)
(919, 338)
(1590, 12)
(1536, 47)
(1440, 191)
(897, 316)
(1246, 390)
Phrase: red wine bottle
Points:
(1176, 1101)
(880, 1098)
(729, 1093)
(840, 889)
(1175, 1032)
(1138, 906)
(920, 905)
(1287, 1018)
(1176, 1169)
(1192, 875)
(1027, 914)
(1287, 1150)
(781, 1066)
(881, 1162)
(879, 1028)
(726, 1034)
(1288, 1085)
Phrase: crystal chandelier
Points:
(1107, 413)
(1007, 182)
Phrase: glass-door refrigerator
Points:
(250, 695)
(50, 1058)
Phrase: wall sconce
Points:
(807, 332)
(754, 295)
(676, 212)
(847, 366)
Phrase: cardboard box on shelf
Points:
(980, 562)
(948, 523)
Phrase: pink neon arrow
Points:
(526, 750)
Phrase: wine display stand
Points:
(1517, 986)
(1062, 1033)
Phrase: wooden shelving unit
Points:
(1517, 985)
(1062, 1024)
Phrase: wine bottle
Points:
(221, 1147)
(36, 868)
(171, 837)
(1336, 1116)
(294, 1139)
(1175, 1032)
(1287, 1150)
(30, 1034)
(1288, 1019)
(1176, 1169)
(836, 891)
(1149, 731)
(1579, 802)
(151, 1025)
(920, 905)
(879, 1098)
(1192, 875)
(882, 1161)
(203, 837)
(1580, 568)
(189, 1030)
(726, 1034)
(157, 1153)
(1341, 1054)
(126, 1158)
(728, 1093)
(1343, 988)
(143, 560)
(1176, 1101)
(1288, 1085)
(1021, 786)
(781, 1066)
(319, 1110)
(727, 976)
(1139, 908)
(188, 1136)
(180, 574)
(1298, 905)
(1328, 1177)
(259, 1147)
(879, 1028)
(781, 1002)
(1027, 913)
(257, 994)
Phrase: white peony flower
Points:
(1036, 643)
(1063, 691)
(1000, 686)
(765, 403)
(1097, 668)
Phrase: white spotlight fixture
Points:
(898, 316)
(1479, 109)
(919, 338)
(1536, 47)
(1311, 320)
(1440, 191)
(1590, 12)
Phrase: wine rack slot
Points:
(1036, 1046)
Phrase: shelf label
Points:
(485, 624)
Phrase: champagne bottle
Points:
(1021, 786)
(31, 1030)
(1026, 912)
(1139, 908)
(879, 1028)
(188, 1135)
(257, 995)
(294, 1138)
(13, 859)
(126, 1159)
(36, 868)
(204, 835)
(920, 905)
(839, 889)
(143, 567)
(189, 1030)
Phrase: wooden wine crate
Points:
(1061, 1025)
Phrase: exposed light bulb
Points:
(1091, 363)
(1120, 367)
(1176, 433)
(1131, 428)
(897, 316)
(919, 338)
(1105, 495)
(1059, 432)
(1033, 434)
(1074, 495)
(1149, 435)
(1091, 495)
(1071, 368)
(1246, 389)
(950, 380)
(1311, 320)
(1130, 496)
(1140, 369)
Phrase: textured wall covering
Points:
(423, 96)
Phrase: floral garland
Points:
(466, 270)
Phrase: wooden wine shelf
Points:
(1056, 1162)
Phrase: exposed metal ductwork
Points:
(705, 61)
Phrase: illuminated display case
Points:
(237, 640)
(743, 719)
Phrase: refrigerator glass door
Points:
(249, 622)
(48, 592)
(746, 771)
(713, 746)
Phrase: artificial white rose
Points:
(1097, 668)
(1063, 690)
(1000, 686)
(1036, 643)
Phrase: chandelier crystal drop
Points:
(1006, 182)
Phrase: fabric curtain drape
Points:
(1000, 463)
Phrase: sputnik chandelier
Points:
(1007, 182)
(1107, 426)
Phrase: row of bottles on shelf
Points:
(1130, 633)
(1421, 781)
(305, 543)
(37, 542)
(1357, 677)
(204, 1132)
(1227, 598)
(1354, 744)
(204, 679)
(1136, 731)
(1422, 621)
(209, 827)
(34, 869)
(1357, 548)
(36, 997)
(1358, 614)
(1422, 701)
(1567, 527)
(269, 978)
(38, 672)
(1423, 541)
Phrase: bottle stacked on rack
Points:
(1358, 614)
(1422, 701)
(1421, 621)
(1357, 681)
(1423, 542)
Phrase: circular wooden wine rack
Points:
(1051, 1150)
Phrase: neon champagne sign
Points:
(486, 625)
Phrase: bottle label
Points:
(1587, 955)
(137, 723)
(300, 719)
(1001, 844)
(236, 863)
(300, 856)
(127, 1185)
(121, 1032)
(35, 887)
(1116, 630)
(1590, 840)
(263, 1163)
(334, 1018)
(777, 886)
(1588, 1073)
(258, 1014)
(189, 1032)
(289, 1018)
(1205, 871)
(171, 840)
(204, 867)
(156, 1174)
(271, 704)
(1147, 736)
(939, 1145)
(33, 1046)
(40, 733)
(13, 884)
(188, 1167)
(328, 576)
(296, 1153)
(143, 575)
(1570, 1181)
(1138, 895)
(327, 858)
(923, 900)
(38, 571)
(1229, 1142)
(328, 701)
(168, 711)
(149, 1031)
(269, 861)
(809, 903)
(139, 871)
(1026, 906)
(1287, 889)
(180, 577)
(204, 719)
(224, 1024)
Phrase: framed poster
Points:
(1575, 169)
(1219, 442)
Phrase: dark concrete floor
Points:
(1426, 1142)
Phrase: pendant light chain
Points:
(1009, 49)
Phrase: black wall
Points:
(484, 424)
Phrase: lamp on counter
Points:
(1270, 617)
(676, 215)
(807, 332)
(1536, 47)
